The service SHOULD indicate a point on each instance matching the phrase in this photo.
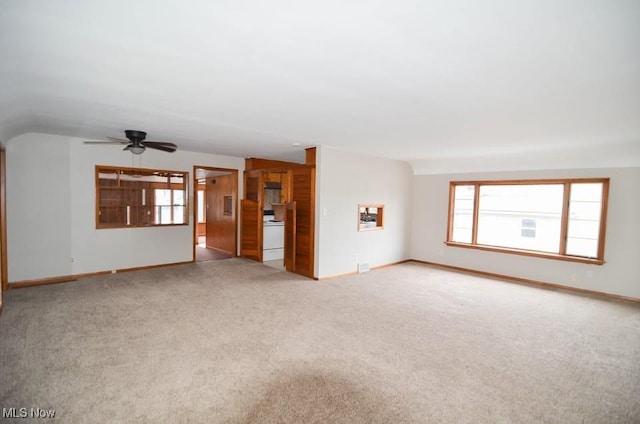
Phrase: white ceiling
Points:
(409, 80)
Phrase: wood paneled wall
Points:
(221, 228)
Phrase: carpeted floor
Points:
(239, 342)
(206, 254)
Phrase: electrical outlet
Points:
(589, 274)
(574, 278)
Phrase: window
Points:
(370, 217)
(128, 197)
(227, 205)
(562, 219)
(202, 216)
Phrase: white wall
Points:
(38, 208)
(51, 209)
(344, 180)
(619, 275)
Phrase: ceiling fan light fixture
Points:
(136, 150)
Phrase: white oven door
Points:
(273, 237)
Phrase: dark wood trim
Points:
(331, 277)
(53, 280)
(3, 221)
(530, 253)
(252, 164)
(152, 185)
(535, 283)
(476, 213)
(603, 218)
(373, 268)
(310, 156)
(452, 194)
(534, 181)
(148, 267)
(564, 218)
(119, 227)
(404, 261)
(75, 277)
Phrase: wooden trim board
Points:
(502, 277)
(4, 276)
(74, 277)
(539, 284)
(373, 268)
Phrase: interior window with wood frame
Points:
(370, 217)
(138, 197)
(560, 218)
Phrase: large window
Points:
(127, 197)
(563, 219)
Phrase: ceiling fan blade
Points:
(118, 140)
(160, 143)
(165, 147)
(101, 142)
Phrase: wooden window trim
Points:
(566, 182)
(152, 185)
(379, 222)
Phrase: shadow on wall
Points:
(315, 397)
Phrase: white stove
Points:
(273, 239)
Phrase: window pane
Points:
(178, 215)
(163, 206)
(521, 216)
(201, 205)
(178, 197)
(463, 213)
(163, 197)
(583, 230)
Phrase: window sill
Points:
(111, 227)
(360, 228)
(591, 261)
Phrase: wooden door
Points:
(251, 222)
(221, 221)
(303, 188)
(290, 237)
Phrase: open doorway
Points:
(215, 213)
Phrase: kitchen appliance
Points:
(273, 239)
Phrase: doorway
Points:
(296, 202)
(215, 213)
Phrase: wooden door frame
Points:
(260, 175)
(234, 173)
(3, 220)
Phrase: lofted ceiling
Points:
(409, 80)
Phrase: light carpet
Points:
(235, 341)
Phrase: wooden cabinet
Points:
(273, 177)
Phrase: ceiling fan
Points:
(136, 143)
